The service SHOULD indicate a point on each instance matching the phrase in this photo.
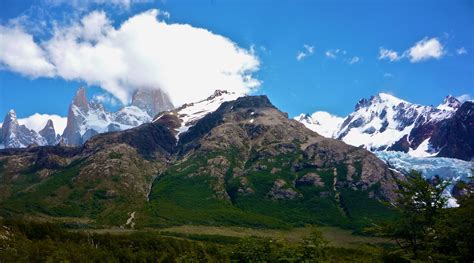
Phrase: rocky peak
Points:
(17, 136)
(153, 101)
(49, 133)
(9, 127)
(449, 103)
(80, 99)
(218, 93)
(362, 104)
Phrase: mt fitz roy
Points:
(86, 119)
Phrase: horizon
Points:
(295, 58)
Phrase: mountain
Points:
(384, 122)
(15, 135)
(321, 122)
(86, 119)
(153, 101)
(215, 162)
(49, 133)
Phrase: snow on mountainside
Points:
(385, 122)
(321, 122)
(188, 114)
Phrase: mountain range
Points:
(224, 160)
(380, 123)
(86, 119)
(386, 123)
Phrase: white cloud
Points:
(425, 49)
(388, 75)
(308, 50)
(388, 54)
(422, 50)
(38, 121)
(19, 53)
(332, 53)
(105, 99)
(465, 97)
(300, 56)
(461, 51)
(188, 63)
(85, 4)
(353, 60)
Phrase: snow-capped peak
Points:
(11, 115)
(385, 122)
(190, 113)
(450, 103)
(321, 122)
(388, 98)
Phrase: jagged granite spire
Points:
(49, 133)
(10, 128)
(153, 101)
(16, 135)
(76, 116)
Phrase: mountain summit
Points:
(385, 122)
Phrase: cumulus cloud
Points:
(188, 63)
(307, 51)
(461, 51)
(38, 121)
(427, 48)
(388, 54)
(19, 53)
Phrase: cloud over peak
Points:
(188, 63)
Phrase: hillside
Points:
(243, 164)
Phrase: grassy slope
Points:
(60, 196)
(184, 196)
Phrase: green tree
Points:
(420, 203)
(314, 246)
(455, 233)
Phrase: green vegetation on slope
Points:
(187, 193)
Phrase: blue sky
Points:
(341, 62)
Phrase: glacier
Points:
(450, 169)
